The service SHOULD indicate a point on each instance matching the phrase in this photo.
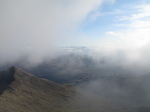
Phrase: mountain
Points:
(73, 69)
(24, 92)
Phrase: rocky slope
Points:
(24, 92)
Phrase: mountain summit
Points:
(24, 92)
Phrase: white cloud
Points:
(143, 11)
(134, 39)
(38, 24)
(98, 14)
(140, 24)
(140, 12)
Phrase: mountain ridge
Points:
(27, 93)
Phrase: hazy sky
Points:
(36, 26)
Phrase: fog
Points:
(35, 31)
(34, 28)
(116, 67)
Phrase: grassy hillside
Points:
(27, 93)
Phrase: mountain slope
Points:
(23, 92)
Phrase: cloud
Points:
(133, 39)
(143, 12)
(34, 26)
(99, 14)
(137, 12)
(137, 30)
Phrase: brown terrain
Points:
(23, 92)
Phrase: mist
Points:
(34, 29)
(45, 38)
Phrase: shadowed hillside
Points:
(6, 77)
(28, 93)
